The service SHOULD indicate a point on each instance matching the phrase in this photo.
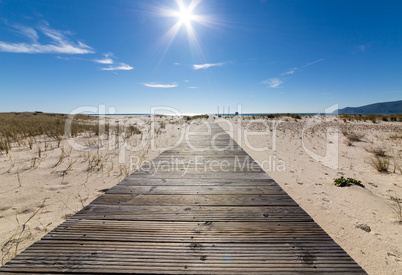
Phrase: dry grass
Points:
(376, 151)
(17, 129)
(397, 208)
(11, 247)
(396, 136)
(372, 118)
(397, 205)
(124, 171)
(381, 164)
(352, 137)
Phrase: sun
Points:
(185, 16)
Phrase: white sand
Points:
(36, 195)
(339, 211)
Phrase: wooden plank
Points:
(195, 190)
(193, 213)
(160, 181)
(221, 200)
(143, 174)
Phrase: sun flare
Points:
(185, 15)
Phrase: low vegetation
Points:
(342, 182)
(381, 164)
(270, 116)
(372, 118)
(376, 151)
(352, 137)
(188, 118)
(23, 128)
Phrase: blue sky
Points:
(267, 55)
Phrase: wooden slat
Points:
(196, 190)
(153, 181)
(216, 200)
(189, 218)
(193, 213)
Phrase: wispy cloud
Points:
(70, 58)
(120, 67)
(206, 66)
(192, 87)
(312, 63)
(295, 69)
(276, 82)
(159, 85)
(27, 32)
(59, 42)
(106, 60)
(273, 82)
(290, 71)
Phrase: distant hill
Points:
(384, 108)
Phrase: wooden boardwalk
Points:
(209, 211)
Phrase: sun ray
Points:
(186, 16)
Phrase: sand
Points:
(363, 221)
(38, 193)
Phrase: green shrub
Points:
(342, 182)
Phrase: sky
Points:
(267, 56)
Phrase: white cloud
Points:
(273, 82)
(121, 67)
(311, 63)
(27, 32)
(290, 71)
(59, 42)
(192, 87)
(69, 58)
(104, 61)
(158, 85)
(206, 66)
(295, 69)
